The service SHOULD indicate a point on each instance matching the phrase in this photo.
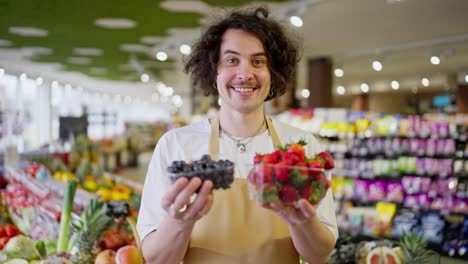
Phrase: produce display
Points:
(220, 172)
(287, 175)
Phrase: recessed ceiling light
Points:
(5, 43)
(296, 21)
(115, 23)
(97, 70)
(435, 60)
(185, 49)
(39, 81)
(79, 60)
(305, 93)
(151, 40)
(133, 47)
(23, 77)
(395, 85)
(340, 90)
(377, 65)
(2, 71)
(144, 78)
(28, 32)
(161, 55)
(364, 87)
(87, 51)
(339, 72)
(220, 101)
(55, 84)
(425, 82)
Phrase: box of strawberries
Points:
(287, 175)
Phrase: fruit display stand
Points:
(35, 203)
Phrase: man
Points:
(246, 59)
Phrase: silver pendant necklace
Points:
(242, 146)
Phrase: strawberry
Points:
(272, 158)
(327, 159)
(282, 170)
(3, 242)
(2, 231)
(264, 173)
(258, 158)
(297, 179)
(293, 157)
(11, 230)
(315, 169)
(298, 149)
(307, 192)
(269, 193)
(288, 193)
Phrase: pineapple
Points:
(414, 248)
(87, 230)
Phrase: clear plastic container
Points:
(287, 184)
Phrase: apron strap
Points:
(214, 136)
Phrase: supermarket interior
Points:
(88, 89)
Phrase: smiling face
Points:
(243, 78)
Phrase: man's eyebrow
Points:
(237, 53)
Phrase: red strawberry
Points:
(327, 159)
(288, 194)
(297, 149)
(272, 158)
(292, 156)
(2, 231)
(269, 193)
(307, 192)
(258, 158)
(315, 169)
(264, 173)
(11, 230)
(282, 170)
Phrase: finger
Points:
(306, 208)
(200, 201)
(176, 188)
(183, 198)
(207, 207)
(277, 207)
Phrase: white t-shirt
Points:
(191, 143)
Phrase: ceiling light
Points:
(144, 77)
(55, 84)
(185, 49)
(97, 70)
(296, 21)
(2, 71)
(435, 60)
(364, 87)
(5, 43)
(339, 72)
(377, 65)
(155, 97)
(28, 31)
(340, 90)
(395, 85)
(39, 81)
(177, 101)
(162, 56)
(87, 51)
(220, 101)
(425, 82)
(115, 23)
(169, 91)
(127, 100)
(79, 60)
(23, 77)
(305, 93)
(151, 40)
(129, 47)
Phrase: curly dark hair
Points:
(281, 51)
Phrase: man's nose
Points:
(245, 72)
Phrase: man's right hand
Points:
(177, 204)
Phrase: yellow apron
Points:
(237, 230)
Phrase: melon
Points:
(382, 255)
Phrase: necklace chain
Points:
(242, 147)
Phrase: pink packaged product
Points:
(431, 166)
(431, 145)
(447, 187)
(418, 201)
(377, 190)
(395, 192)
(424, 129)
(443, 203)
(445, 167)
(414, 185)
(449, 147)
(361, 188)
(461, 206)
(405, 146)
(420, 166)
(414, 146)
(443, 130)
